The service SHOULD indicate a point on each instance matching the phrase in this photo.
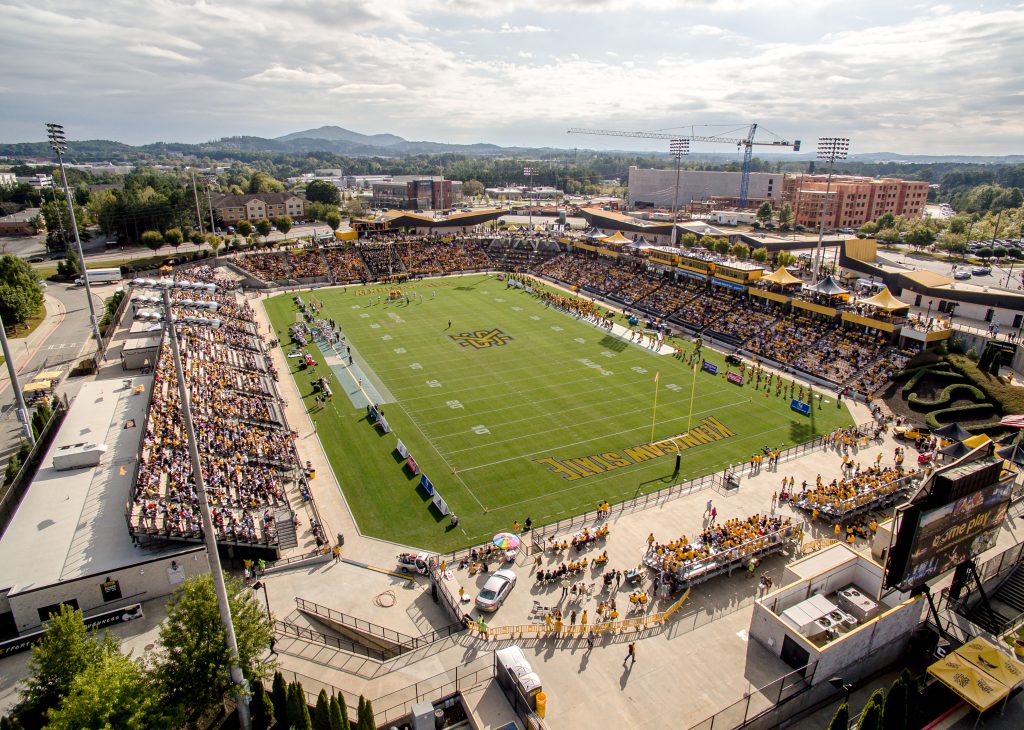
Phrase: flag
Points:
(657, 376)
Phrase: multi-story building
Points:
(649, 188)
(234, 208)
(8, 180)
(38, 181)
(853, 201)
(416, 193)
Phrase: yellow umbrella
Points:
(999, 664)
(979, 689)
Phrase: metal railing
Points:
(761, 700)
(402, 643)
(283, 628)
(398, 704)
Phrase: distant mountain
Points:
(340, 134)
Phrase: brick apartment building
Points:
(231, 209)
(853, 200)
(426, 193)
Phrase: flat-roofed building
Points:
(68, 541)
(650, 188)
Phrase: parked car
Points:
(496, 590)
(981, 271)
(962, 274)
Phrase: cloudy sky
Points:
(893, 76)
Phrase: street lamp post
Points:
(262, 584)
(831, 149)
(209, 535)
(840, 683)
(59, 145)
(677, 148)
(19, 397)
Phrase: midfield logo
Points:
(482, 338)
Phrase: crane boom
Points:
(748, 143)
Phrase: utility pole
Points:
(59, 145)
(209, 200)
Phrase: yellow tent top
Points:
(980, 689)
(512, 229)
(35, 387)
(999, 664)
(975, 441)
(781, 277)
(49, 375)
(885, 300)
(617, 237)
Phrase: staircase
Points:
(1007, 605)
(286, 536)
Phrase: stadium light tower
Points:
(59, 145)
(528, 172)
(678, 148)
(209, 535)
(831, 149)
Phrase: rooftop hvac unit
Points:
(78, 456)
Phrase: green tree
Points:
(888, 235)
(322, 712)
(152, 240)
(785, 258)
(722, 246)
(841, 720)
(759, 254)
(67, 649)
(912, 698)
(244, 228)
(197, 238)
(871, 715)
(192, 666)
(58, 223)
(354, 208)
(959, 224)
(215, 243)
(321, 191)
(472, 188)
(261, 182)
(765, 212)
(984, 253)
(708, 242)
(869, 229)
(740, 251)
(333, 219)
(279, 697)
(298, 710)
(112, 692)
(886, 220)
(920, 236)
(365, 717)
(16, 306)
(894, 713)
(264, 227)
(785, 216)
(339, 714)
(689, 240)
(262, 707)
(284, 224)
(953, 243)
(174, 237)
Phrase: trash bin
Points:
(542, 704)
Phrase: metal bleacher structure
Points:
(252, 469)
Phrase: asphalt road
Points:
(60, 349)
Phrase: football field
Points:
(514, 410)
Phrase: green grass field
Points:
(495, 427)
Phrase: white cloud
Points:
(942, 78)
